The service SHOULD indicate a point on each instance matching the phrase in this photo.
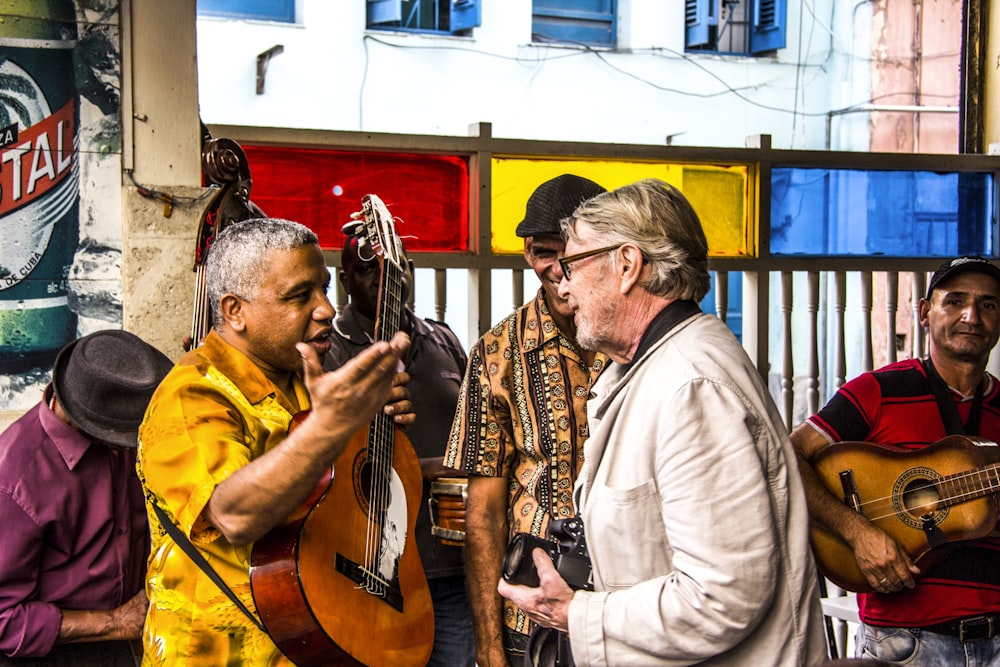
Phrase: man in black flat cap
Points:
(947, 613)
(521, 422)
(75, 535)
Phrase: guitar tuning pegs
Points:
(362, 244)
(352, 228)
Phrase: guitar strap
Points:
(946, 404)
(192, 552)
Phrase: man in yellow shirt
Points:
(215, 449)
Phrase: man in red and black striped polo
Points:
(947, 613)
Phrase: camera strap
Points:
(548, 647)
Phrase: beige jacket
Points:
(695, 516)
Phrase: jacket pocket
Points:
(628, 535)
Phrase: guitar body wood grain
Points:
(944, 491)
(315, 613)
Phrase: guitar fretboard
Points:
(385, 245)
(964, 486)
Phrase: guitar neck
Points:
(381, 436)
(390, 307)
(964, 486)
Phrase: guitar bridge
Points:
(851, 496)
(388, 592)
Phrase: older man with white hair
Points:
(694, 514)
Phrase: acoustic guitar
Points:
(341, 582)
(924, 499)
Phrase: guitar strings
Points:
(981, 478)
(374, 432)
(382, 466)
(382, 429)
(200, 316)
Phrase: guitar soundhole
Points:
(920, 498)
(362, 475)
(915, 496)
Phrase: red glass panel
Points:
(428, 194)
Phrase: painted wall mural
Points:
(60, 184)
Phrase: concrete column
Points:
(161, 147)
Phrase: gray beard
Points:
(597, 335)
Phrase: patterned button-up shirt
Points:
(522, 415)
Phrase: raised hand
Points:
(346, 399)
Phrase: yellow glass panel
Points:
(720, 197)
(718, 193)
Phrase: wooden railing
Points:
(809, 323)
(825, 328)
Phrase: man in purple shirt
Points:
(75, 537)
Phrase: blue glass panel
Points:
(424, 16)
(734, 309)
(891, 213)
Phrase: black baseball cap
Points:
(962, 265)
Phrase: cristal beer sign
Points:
(39, 176)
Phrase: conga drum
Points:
(447, 508)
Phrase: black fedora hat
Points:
(104, 381)
(962, 265)
(554, 200)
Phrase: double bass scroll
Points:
(223, 163)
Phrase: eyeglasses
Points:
(566, 261)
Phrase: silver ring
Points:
(883, 580)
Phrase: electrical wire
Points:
(166, 197)
(571, 49)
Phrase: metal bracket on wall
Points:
(262, 60)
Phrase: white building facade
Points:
(336, 71)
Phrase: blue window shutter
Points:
(268, 10)
(698, 17)
(768, 30)
(384, 11)
(569, 6)
(465, 14)
(579, 21)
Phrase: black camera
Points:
(568, 551)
